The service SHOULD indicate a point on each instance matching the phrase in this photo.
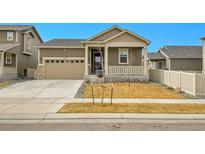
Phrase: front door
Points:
(96, 62)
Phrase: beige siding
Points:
(62, 53)
(107, 35)
(126, 37)
(3, 36)
(186, 64)
(135, 57)
(26, 61)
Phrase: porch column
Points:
(106, 60)
(86, 60)
(1, 62)
(145, 61)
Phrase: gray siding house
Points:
(116, 51)
(17, 50)
(184, 58)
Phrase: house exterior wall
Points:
(24, 60)
(3, 36)
(27, 60)
(59, 52)
(126, 37)
(135, 57)
(157, 64)
(107, 35)
(186, 64)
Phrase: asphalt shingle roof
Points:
(4, 46)
(14, 27)
(155, 56)
(183, 51)
(63, 42)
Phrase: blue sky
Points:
(159, 34)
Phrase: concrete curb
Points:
(101, 118)
(130, 100)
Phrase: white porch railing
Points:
(123, 70)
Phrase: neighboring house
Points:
(119, 50)
(156, 61)
(17, 50)
(184, 58)
(203, 54)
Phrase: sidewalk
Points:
(44, 111)
(101, 118)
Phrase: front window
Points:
(10, 36)
(8, 58)
(123, 56)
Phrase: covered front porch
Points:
(116, 60)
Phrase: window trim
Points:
(123, 49)
(7, 36)
(8, 56)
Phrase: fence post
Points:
(194, 84)
(168, 78)
(180, 73)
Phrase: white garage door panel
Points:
(64, 69)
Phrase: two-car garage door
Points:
(64, 68)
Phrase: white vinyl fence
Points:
(121, 70)
(192, 83)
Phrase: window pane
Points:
(123, 53)
(9, 36)
(123, 59)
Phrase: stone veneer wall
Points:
(40, 72)
(121, 78)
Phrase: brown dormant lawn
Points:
(132, 90)
(134, 108)
(4, 84)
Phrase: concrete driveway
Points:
(42, 89)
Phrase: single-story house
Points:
(18, 50)
(116, 51)
(156, 60)
(184, 58)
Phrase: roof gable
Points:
(127, 37)
(106, 34)
(155, 56)
(117, 34)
